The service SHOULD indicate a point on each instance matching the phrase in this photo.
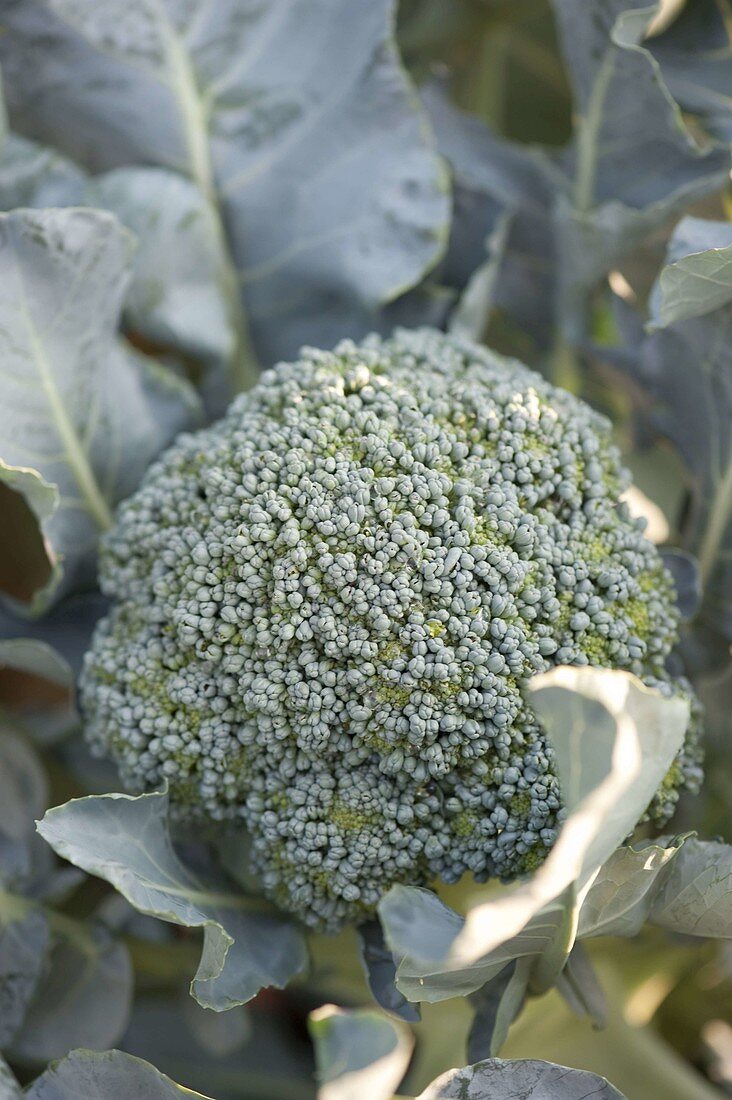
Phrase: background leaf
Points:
(24, 938)
(358, 1053)
(695, 55)
(84, 995)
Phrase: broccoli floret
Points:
(327, 606)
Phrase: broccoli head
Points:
(326, 607)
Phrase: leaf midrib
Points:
(76, 457)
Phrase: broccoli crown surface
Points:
(327, 604)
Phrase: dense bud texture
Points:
(328, 603)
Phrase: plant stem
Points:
(720, 513)
(168, 964)
(14, 907)
(588, 135)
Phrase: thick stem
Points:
(565, 368)
(588, 137)
(720, 514)
(14, 907)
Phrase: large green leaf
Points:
(23, 797)
(175, 297)
(626, 114)
(695, 897)
(697, 277)
(110, 1074)
(24, 938)
(295, 120)
(497, 1079)
(81, 416)
(497, 1005)
(126, 841)
(62, 982)
(359, 1053)
(422, 932)
(613, 741)
(621, 896)
(504, 195)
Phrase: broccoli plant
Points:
(327, 605)
(366, 602)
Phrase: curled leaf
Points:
(126, 841)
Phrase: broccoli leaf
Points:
(23, 797)
(695, 55)
(82, 417)
(175, 297)
(497, 1079)
(504, 194)
(358, 1053)
(620, 898)
(579, 985)
(31, 175)
(496, 1006)
(61, 982)
(297, 124)
(24, 940)
(36, 657)
(378, 962)
(421, 931)
(574, 215)
(627, 115)
(686, 369)
(111, 1074)
(126, 841)
(680, 883)
(84, 994)
(167, 1030)
(613, 741)
(697, 278)
(695, 897)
